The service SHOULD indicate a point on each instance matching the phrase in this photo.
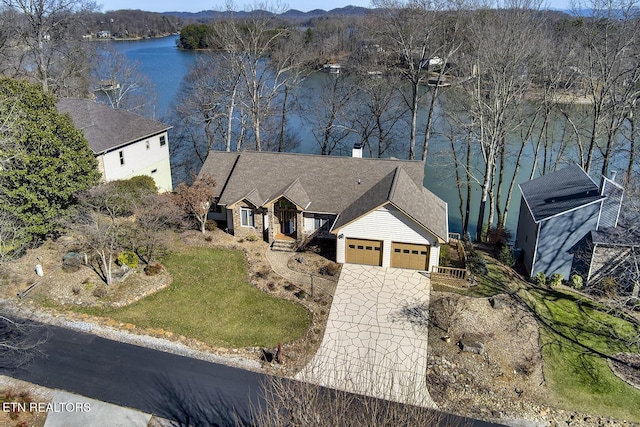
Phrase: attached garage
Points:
(409, 255)
(361, 251)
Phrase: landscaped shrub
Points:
(609, 286)
(575, 281)
(153, 269)
(498, 236)
(329, 269)
(128, 258)
(252, 238)
(476, 263)
(445, 256)
(540, 279)
(556, 280)
(505, 256)
(211, 225)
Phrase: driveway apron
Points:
(375, 342)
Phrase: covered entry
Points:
(409, 255)
(361, 251)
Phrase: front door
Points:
(288, 222)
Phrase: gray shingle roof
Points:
(108, 128)
(558, 192)
(346, 186)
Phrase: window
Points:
(146, 143)
(163, 140)
(246, 217)
(121, 155)
(318, 223)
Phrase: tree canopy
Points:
(44, 159)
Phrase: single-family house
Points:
(377, 210)
(125, 144)
(559, 213)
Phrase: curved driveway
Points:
(375, 342)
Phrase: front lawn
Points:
(211, 301)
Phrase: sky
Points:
(198, 5)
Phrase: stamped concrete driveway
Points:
(375, 342)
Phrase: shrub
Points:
(575, 281)
(540, 279)
(329, 269)
(153, 269)
(128, 258)
(211, 225)
(498, 236)
(300, 294)
(476, 263)
(556, 280)
(505, 256)
(445, 256)
(76, 290)
(609, 286)
(252, 238)
(100, 292)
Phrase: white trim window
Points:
(246, 217)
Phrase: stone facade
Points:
(258, 221)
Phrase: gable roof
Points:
(108, 128)
(398, 189)
(347, 186)
(558, 192)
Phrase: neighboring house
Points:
(558, 214)
(125, 144)
(377, 210)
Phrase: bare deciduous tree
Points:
(196, 199)
(42, 26)
(121, 84)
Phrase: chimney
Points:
(357, 150)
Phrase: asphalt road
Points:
(155, 382)
(190, 391)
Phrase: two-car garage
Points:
(403, 255)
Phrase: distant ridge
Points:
(291, 13)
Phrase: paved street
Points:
(151, 381)
(375, 342)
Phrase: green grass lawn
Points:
(211, 300)
(575, 336)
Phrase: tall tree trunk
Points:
(283, 121)
(414, 118)
(428, 126)
(232, 105)
(632, 149)
(467, 210)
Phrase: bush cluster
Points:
(153, 269)
(128, 258)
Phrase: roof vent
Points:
(357, 150)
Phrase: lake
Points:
(166, 66)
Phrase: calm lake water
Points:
(166, 66)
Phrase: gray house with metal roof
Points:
(558, 212)
(125, 144)
(377, 210)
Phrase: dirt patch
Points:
(507, 375)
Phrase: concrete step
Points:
(284, 245)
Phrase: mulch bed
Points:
(627, 367)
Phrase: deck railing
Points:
(449, 275)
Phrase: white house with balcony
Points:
(125, 144)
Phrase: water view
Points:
(166, 66)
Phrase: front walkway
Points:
(375, 342)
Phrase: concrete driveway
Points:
(376, 338)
